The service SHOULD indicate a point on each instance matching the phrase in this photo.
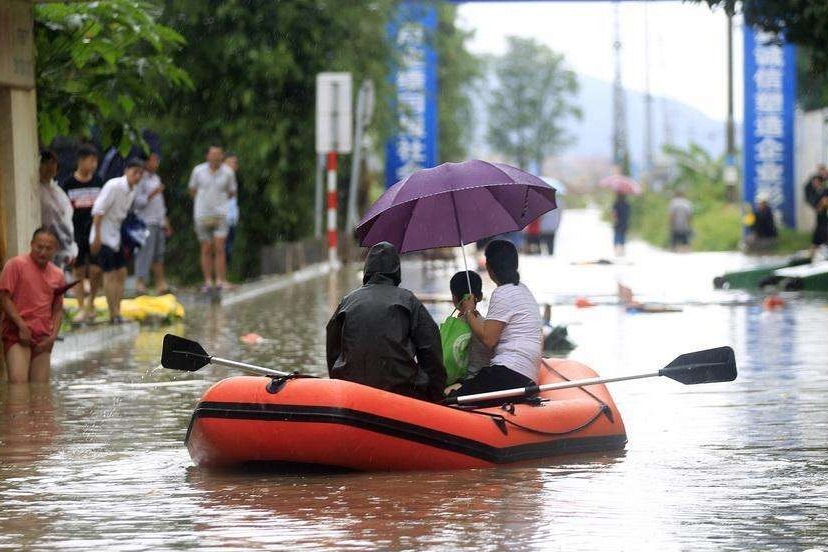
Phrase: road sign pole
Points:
(333, 136)
(333, 202)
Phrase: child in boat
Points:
(467, 352)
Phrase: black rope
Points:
(603, 410)
(563, 377)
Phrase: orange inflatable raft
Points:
(335, 423)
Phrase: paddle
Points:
(708, 366)
(179, 353)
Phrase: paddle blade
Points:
(183, 354)
(709, 366)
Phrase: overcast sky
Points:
(686, 54)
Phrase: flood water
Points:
(96, 461)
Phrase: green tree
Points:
(531, 102)
(458, 70)
(803, 22)
(812, 83)
(102, 65)
(254, 66)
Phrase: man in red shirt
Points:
(31, 290)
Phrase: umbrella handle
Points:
(462, 245)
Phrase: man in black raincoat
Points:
(382, 336)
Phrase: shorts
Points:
(151, 252)
(11, 337)
(679, 238)
(110, 260)
(820, 235)
(214, 226)
(619, 237)
(85, 257)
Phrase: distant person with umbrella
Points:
(620, 223)
(511, 328)
(382, 336)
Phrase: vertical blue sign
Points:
(770, 90)
(415, 80)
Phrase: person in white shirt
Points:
(212, 184)
(108, 213)
(681, 217)
(150, 207)
(56, 210)
(511, 329)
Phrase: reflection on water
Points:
(96, 459)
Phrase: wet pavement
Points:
(95, 460)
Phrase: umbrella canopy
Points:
(455, 204)
(621, 184)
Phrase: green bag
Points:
(455, 335)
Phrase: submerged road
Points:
(95, 460)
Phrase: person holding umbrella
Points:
(455, 204)
(622, 186)
(511, 328)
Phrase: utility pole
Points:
(731, 175)
(620, 154)
(648, 103)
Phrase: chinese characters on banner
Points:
(415, 81)
(770, 89)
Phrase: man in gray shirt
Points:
(212, 184)
(149, 206)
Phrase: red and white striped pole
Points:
(333, 202)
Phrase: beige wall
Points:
(19, 198)
(811, 150)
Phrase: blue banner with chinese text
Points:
(414, 146)
(770, 95)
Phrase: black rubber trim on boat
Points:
(403, 430)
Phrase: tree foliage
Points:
(239, 73)
(812, 83)
(102, 65)
(254, 66)
(802, 22)
(531, 102)
(458, 70)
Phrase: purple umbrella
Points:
(454, 204)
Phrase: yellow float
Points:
(144, 308)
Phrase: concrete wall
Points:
(19, 196)
(19, 168)
(811, 150)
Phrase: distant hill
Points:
(593, 133)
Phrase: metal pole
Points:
(520, 391)
(648, 104)
(462, 245)
(331, 166)
(351, 215)
(333, 238)
(730, 175)
(317, 219)
(249, 367)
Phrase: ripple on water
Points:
(96, 460)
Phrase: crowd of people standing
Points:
(88, 230)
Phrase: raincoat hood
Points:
(382, 265)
